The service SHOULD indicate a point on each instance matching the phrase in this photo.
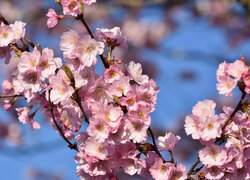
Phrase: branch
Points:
(9, 95)
(155, 146)
(78, 101)
(237, 108)
(70, 145)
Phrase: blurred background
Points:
(180, 44)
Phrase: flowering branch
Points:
(106, 65)
(229, 120)
(155, 146)
(9, 95)
(236, 109)
(70, 145)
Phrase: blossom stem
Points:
(70, 145)
(237, 108)
(78, 101)
(193, 166)
(153, 139)
(9, 95)
(172, 157)
(80, 17)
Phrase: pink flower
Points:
(112, 73)
(71, 7)
(130, 100)
(87, 49)
(48, 64)
(179, 173)
(61, 89)
(210, 128)
(141, 114)
(204, 124)
(228, 75)
(119, 87)
(132, 165)
(214, 172)
(135, 71)
(136, 131)
(96, 149)
(191, 126)
(222, 71)
(29, 61)
(213, 155)
(6, 35)
(25, 118)
(161, 171)
(98, 91)
(226, 86)
(68, 43)
(204, 108)
(27, 81)
(167, 142)
(18, 30)
(98, 129)
(236, 69)
(111, 115)
(246, 79)
(87, 2)
(113, 37)
(53, 18)
(7, 87)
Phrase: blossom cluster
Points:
(117, 106)
(221, 162)
(10, 34)
(229, 74)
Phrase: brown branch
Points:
(80, 17)
(70, 145)
(193, 166)
(154, 143)
(172, 157)
(78, 101)
(9, 95)
(237, 108)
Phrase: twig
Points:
(154, 143)
(29, 41)
(9, 95)
(229, 120)
(78, 101)
(193, 166)
(70, 145)
(172, 157)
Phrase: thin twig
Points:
(9, 95)
(154, 143)
(78, 101)
(193, 166)
(29, 41)
(229, 120)
(172, 157)
(70, 145)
